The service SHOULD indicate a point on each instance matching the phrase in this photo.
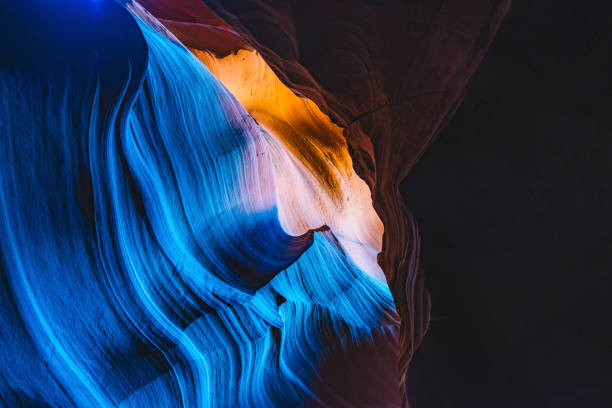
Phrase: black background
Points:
(514, 205)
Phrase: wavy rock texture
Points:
(151, 252)
(389, 73)
(192, 201)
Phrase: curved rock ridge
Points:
(390, 74)
(151, 251)
(311, 146)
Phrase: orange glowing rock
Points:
(315, 181)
